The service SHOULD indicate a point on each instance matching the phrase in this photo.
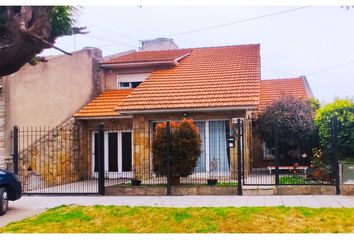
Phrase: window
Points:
(215, 155)
(124, 85)
(118, 153)
(267, 153)
(129, 84)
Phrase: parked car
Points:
(10, 189)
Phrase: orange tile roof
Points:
(207, 78)
(272, 90)
(105, 105)
(149, 56)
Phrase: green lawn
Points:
(114, 219)
(292, 179)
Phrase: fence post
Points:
(239, 159)
(276, 145)
(15, 153)
(101, 176)
(334, 146)
(168, 136)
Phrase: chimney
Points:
(158, 44)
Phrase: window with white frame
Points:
(132, 80)
(128, 84)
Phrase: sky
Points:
(312, 41)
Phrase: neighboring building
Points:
(47, 94)
(270, 91)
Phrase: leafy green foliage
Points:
(62, 19)
(344, 110)
(184, 148)
(293, 119)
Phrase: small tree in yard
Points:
(293, 120)
(185, 147)
(344, 110)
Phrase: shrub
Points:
(185, 148)
(344, 110)
(295, 125)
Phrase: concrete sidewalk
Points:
(29, 206)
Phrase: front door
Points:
(117, 154)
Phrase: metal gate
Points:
(49, 161)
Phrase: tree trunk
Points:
(19, 31)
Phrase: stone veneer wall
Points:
(52, 159)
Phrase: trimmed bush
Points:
(344, 110)
(185, 147)
(295, 125)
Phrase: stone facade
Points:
(51, 159)
(347, 189)
(175, 190)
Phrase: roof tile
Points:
(149, 56)
(105, 104)
(271, 90)
(208, 77)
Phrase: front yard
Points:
(115, 219)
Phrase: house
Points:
(270, 91)
(212, 85)
(132, 91)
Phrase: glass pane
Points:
(218, 157)
(201, 163)
(95, 143)
(126, 152)
(135, 84)
(124, 85)
(113, 152)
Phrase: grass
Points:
(294, 179)
(115, 219)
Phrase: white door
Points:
(118, 154)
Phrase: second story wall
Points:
(48, 94)
(133, 75)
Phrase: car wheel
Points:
(4, 202)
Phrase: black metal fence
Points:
(128, 156)
(48, 161)
(65, 160)
(289, 161)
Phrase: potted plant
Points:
(136, 181)
(212, 181)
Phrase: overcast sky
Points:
(317, 42)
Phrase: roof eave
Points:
(167, 110)
(139, 64)
(102, 117)
(307, 87)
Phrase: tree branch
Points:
(48, 43)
